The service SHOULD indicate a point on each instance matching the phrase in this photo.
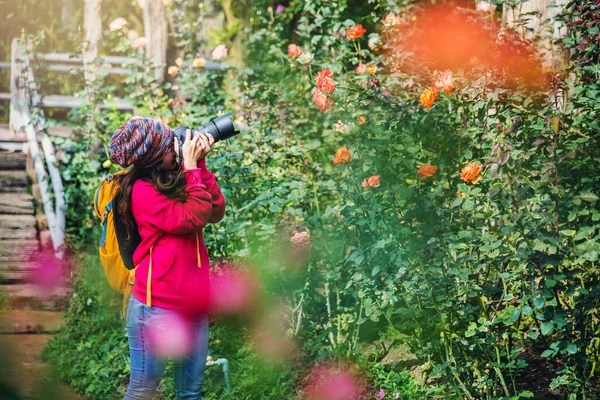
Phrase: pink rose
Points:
(220, 52)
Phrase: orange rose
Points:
(373, 181)
(428, 97)
(355, 32)
(325, 81)
(342, 156)
(427, 170)
(199, 62)
(321, 100)
(470, 173)
(371, 69)
(445, 81)
(294, 51)
(361, 120)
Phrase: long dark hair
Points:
(169, 182)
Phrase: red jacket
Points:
(171, 232)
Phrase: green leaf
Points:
(589, 196)
(568, 232)
(550, 283)
(533, 334)
(457, 202)
(571, 348)
(527, 310)
(547, 328)
(538, 302)
(548, 353)
(469, 333)
(515, 315)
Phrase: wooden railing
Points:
(65, 63)
(24, 95)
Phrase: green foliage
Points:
(489, 283)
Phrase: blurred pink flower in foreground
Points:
(270, 338)
(47, 274)
(117, 24)
(169, 335)
(332, 382)
(220, 52)
(232, 290)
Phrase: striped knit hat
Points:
(140, 141)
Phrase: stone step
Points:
(16, 203)
(29, 321)
(13, 181)
(17, 227)
(12, 160)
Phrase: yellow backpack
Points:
(120, 275)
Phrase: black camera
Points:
(220, 128)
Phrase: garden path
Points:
(27, 320)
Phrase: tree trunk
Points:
(155, 30)
(237, 49)
(536, 17)
(92, 37)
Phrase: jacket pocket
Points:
(179, 272)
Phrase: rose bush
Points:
(435, 203)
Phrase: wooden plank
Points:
(16, 203)
(64, 57)
(17, 272)
(18, 250)
(59, 101)
(17, 221)
(14, 234)
(26, 295)
(6, 135)
(60, 131)
(12, 160)
(68, 69)
(11, 181)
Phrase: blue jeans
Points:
(147, 367)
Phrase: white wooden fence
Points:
(24, 95)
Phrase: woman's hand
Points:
(195, 148)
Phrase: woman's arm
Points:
(171, 215)
(218, 201)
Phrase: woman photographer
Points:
(169, 204)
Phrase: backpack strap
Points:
(198, 248)
(108, 209)
(96, 206)
(149, 282)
